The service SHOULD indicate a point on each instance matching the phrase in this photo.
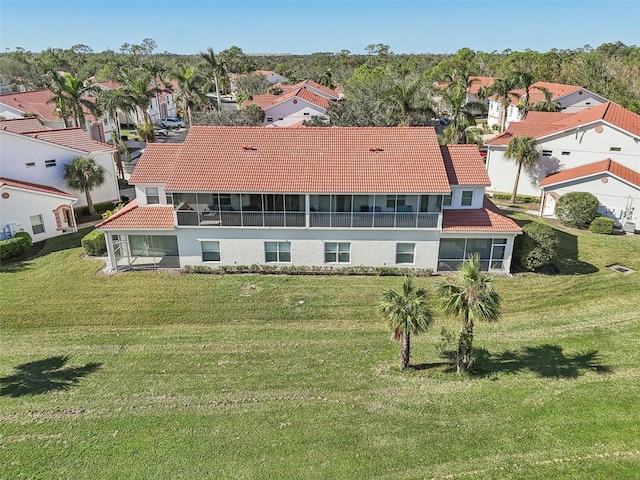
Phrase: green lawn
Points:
(165, 375)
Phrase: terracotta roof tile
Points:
(35, 102)
(156, 163)
(479, 82)
(74, 138)
(8, 182)
(133, 217)
(267, 101)
(22, 125)
(310, 160)
(557, 90)
(464, 165)
(489, 218)
(590, 169)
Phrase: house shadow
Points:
(566, 261)
(546, 361)
(44, 376)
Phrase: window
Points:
(49, 163)
(30, 164)
(467, 198)
(547, 153)
(269, 119)
(453, 251)
(566, 153)
(169, 199)
(405, 252)
(306, 113)
(337, 252)
(446, 200)
(394, 201)
(152, 195)
(37, 225)
(210, 251)
(615, 149)
(277, 252)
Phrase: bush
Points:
(577, 209)
(536, 247)
(602, 225)
(519, 198)
(100, 209)
(94, 243)
(307, 270)
(13, 247)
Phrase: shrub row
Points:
(100, 208)
(94, 243)
(307, 270)
(519, 198)
(13, 247)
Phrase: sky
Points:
(306, 26)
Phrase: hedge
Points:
(602, 225)
(537, 246)
(577, 209)
(307, 270)
(13, 247)
(94, 243)
(519, 198)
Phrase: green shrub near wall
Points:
(602, 225)
(577, 209)
(18, 245)
(94, 243)
(537, 246)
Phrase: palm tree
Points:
(525, 152)
(84, 174)
(71, 97)
(453, 97)
(111, 102)
(139, 90)
(502, 88)
(190, 89)
(524, 80)
(407, 105)
(215, 71)
(548, 104)
(471, 297)
(407, 312)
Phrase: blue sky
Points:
(304, 26)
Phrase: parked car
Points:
(172, 122)
(162, 132)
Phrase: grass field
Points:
(166, 375)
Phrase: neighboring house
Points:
(38, 156)
(17, 105)
(290, 108)
(566, 140)
(41, 211)
(616, 187)
(473, 94)
(572, 98)
(309, 196)
(272, 77)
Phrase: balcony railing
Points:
(316, 219)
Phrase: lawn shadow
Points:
(43, 376)
(548, 361)
(566, 261)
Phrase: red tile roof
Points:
(609, 112)
(74, 138)
(590, 169)
(22, 125)
(35, 102)
(489, 218)
(268, 101)
(305, 160)
(8, 182)
(557, 90)
(479, 82)
(133, 217)
(464, 165)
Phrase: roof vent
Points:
(376, 149)
(248, 147)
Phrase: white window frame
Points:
(403, 245)
(462, 198)
(148, 192)
(34, 225)
(210, 247)
(50, 163)
(341, 251)
(281, 249)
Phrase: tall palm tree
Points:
(548, 104)
(524, 80)
(215, 71)
(471, 297)
(190, 89)
(407, 312)
(524, 151)
(111, 102)
(72, 97)
(453, 97)
(84, 174)
(406, 103)
(502, 88)
(139, 90)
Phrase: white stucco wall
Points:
(291, 112)
(23, 204)
(614, 195)
(584, 146)
(18, 150)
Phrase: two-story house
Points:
(309, 196)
